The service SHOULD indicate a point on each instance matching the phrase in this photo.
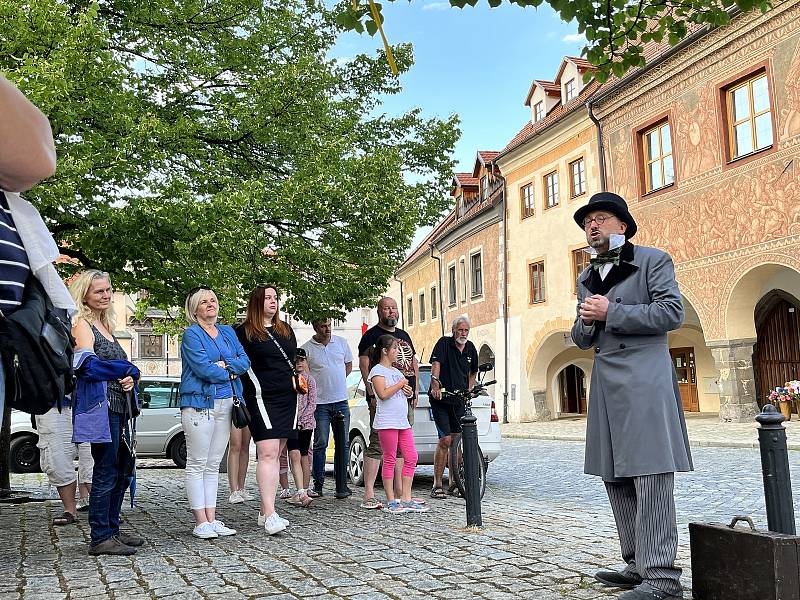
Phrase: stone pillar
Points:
(540, 410)
(737, 390)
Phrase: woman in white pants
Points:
(212, 360)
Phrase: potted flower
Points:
(782, 398)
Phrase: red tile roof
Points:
(487, 156)
(465, 180)
(550, 88)
(530, 129)
(424, 246)
(581, 63)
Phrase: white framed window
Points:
(476, 274)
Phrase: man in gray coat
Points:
(636, 439)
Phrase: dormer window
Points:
(569, 90)
(538, 111)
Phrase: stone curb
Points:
(581, 438)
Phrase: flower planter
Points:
(786, 409)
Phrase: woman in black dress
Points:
(271, 399)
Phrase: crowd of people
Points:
(628, 300)
(289, 392)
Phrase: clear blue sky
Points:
(475, 62)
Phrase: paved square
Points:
(547, 529)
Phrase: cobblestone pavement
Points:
(704, 429)
(547, 529)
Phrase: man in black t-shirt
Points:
(454, 365)
(407, 365)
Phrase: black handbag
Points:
(240, 415)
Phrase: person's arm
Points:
(583, 333)
(363, 366)
(348, 368)
(436, 385)
(194, 354)
(27, 151)
(82, 332)
(240, 362)
(382, 391)
(348, 359)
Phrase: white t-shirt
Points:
(326, 364)
(391, 413)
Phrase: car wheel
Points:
(177, 451)
(355, 466)
(23, 455)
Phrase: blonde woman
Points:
(212, 360)
(103, 425)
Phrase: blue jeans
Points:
(108, 484)
(324, 416)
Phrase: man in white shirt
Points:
(330, 362)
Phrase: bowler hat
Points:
(612, 203)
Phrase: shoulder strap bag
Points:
(299, 382)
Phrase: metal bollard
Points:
(469, 440)
(340, 456)
(775, 468)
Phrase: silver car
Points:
(158, 429)
(425, 435)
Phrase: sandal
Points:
(454, 491)
(66, 519)
(438, 493)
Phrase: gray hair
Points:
(461, 319)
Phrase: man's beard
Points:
(390, 322)
(599, 242)
(461, 341)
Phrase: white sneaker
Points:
(236, 497)
(262, 519)
(221, 530)
(245, 496)
(205, 531)
(285, 494)
(273, 524)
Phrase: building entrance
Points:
(572, 385)
(684, 363)
(776, 354)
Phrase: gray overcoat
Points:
(635, 424)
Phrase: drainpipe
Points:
(439, 289)
(402, 301)
(505, 302)
(600, 151)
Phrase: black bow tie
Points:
(610, 257)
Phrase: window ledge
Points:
(751, 154)
(657, 190)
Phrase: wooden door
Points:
(683, 361)
(572, 384)
(776, 355)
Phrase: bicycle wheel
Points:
(457, 474)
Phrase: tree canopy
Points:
(616, 30)
(219, 143)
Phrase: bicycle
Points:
(457, 473)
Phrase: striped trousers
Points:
(644, 510)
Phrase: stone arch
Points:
(749, 285)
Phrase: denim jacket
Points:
(199, 353)
(90, 397)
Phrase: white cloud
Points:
(574, 37)
(436, 6)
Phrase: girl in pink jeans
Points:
(391, 422)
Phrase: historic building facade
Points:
(704, 144)
(457, 269)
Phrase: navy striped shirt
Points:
(14, 267)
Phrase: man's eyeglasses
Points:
(194, 290)
(599, 219)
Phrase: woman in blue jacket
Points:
(212, 359)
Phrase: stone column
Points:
(540, 410)
(737, 390)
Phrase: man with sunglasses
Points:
(628, 299)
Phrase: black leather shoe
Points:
(130, 539)
(649, 594)
(617, 579)
(345, 493)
